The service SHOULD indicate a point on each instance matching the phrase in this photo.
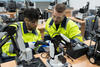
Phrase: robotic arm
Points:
(9, 32)
(18, 43)
(57, 58)
(24, 56)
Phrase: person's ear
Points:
(26, 19)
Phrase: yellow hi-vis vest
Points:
(31, 36)
(66, 27)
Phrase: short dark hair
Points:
(60, 7)
(31, 14)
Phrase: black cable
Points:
(93, 29)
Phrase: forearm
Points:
(80, 38)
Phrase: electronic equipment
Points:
(24, 56)
(83, 12)
(93, 53)
(11, 6)
(57, 58)
(2, 4)
(85, 8)
(77, 50)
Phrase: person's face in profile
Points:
(31, 25)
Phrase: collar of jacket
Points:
(63, 24)
(26, 31)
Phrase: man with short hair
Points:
(60, 24)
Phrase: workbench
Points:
(79, 62)
(9, 13)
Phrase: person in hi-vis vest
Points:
(60, 24)
(30, 34)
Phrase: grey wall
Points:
(42, 5)
(80, 3)
(73, 3)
